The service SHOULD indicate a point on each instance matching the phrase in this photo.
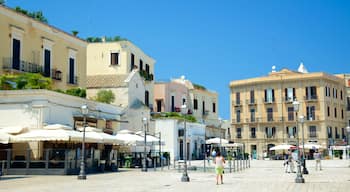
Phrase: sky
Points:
(211, 42)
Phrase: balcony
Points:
(289, 99)
(270, 137)
(237, 103)
(253, 136)
(312, 135)
(56, 74)
(250, 120)
(239, 136)
(72, 80)
(269, 100)
(24, 66)
(235, 121)
(146, 76)
(310, 98)
(251, 101)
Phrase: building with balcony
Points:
(28, 45)
(201, 103)
(128, 72)
(262, 113)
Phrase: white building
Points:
(172, 131)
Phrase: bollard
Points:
(249, 163)
(241, 164)
(234, 166)
(230, 165)
(174, 164)
(168, 163)
(155, 164)
(204, 164)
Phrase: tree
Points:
(2, 2)
(25, 81)
(75, 32)
(37, 15)
(105, 96)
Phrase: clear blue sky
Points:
(215, 42)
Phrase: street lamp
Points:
(185, 177)
(82, 175)
(299, 178)
(302, 118)
(220, 120)
(348, 130)
(144, 164)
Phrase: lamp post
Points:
(144, 164)
(185, 177)
(299, 178)
(348, 130)
(302, 119)
(82, 175)
(220, 121)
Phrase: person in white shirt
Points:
(219, 167)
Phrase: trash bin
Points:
(127, 162)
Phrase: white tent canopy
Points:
(281, 147)
(128, 137)
(233, 145)
(5, 137)
(312, 146)
(48, 135)
(216, 140)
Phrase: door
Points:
(16, 47)
(71, 71)
(47, 63)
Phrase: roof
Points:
(106, 81)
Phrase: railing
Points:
(237, 103)
(312, 135)
(251, 101)
(24, 66)
(73, 80)
(253, 136)
(250, 120)
(268, 101)
(310, 98)
(236, 120)
(238, 136)
(289, 99)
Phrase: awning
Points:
(216, 140)
(312, 146)
(128, 137)
(232, 145)
(5, 137)
(13, 129)
(48, 135)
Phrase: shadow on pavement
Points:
(11, 177)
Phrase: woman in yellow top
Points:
(219, 167)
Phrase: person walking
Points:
(317, 157)
(219, 167)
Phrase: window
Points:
(71, 77)
(311, 92)
(239, 132)
(252, 115)
(291, 132)
(269, 114)
(329, 132)
(341, 94)
(269, 95)
(328, 111)
(147, 98)
(238, 115)
(343, 136)
(238, 98)
(132, 63)
(348, 104)
(214, 107)
(172, 103)
(203, 108)
(342, 113)
(270, 132)
(141, 65)
(195, 104)
(147, 69)
(310, 113)
(335, 112)
(47, 63)
(312, 131)
(252, 97)
(337, 136)
(290, 113)
(114, 58)
(252, 132)
(159, 105)
(289, 94)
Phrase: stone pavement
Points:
(262, 176)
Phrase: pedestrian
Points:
(285, 163)
(317, 157)
(291, 163)
(219, 167)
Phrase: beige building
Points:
(128, 72)
(28, 45)
(262, 112)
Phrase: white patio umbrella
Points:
(216, 140)
(281, 147)
(128, 137)
(312, 146)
